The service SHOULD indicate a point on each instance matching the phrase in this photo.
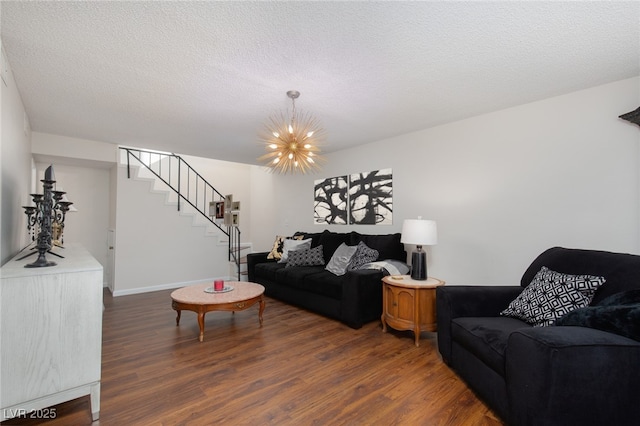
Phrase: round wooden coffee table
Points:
(194, 298)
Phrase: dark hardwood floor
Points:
(298, 369)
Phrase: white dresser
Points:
(50, 333)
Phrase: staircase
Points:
(191, 189)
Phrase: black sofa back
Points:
(621, 271)
(388, 246)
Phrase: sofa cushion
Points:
(315, 237)
(486, 337)
(340, 259)
(267, 270)
(363, 255)
(622, 271)
(294, 277)
(324, 283)
(331, 241)
(388, 246)
(290, 245)
(618, 319)
(551, 295)
(307, 257)
(311, 279)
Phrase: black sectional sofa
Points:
(354, 298)
(585, 371)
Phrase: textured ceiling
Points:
(201, 78)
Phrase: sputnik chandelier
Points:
(292, 145)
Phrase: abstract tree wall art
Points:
(371, 198)
(331, 201)
(358, 199)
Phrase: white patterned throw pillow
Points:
(552, 294)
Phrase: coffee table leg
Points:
(261, 310)
(178, 317)
(201, 324)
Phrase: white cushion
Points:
(293, 245)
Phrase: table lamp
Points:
(421, 233)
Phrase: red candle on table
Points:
(218, 285)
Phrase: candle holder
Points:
(45, 220)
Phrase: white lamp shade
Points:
(419, 232)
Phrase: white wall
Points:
(83, 169)
(502, 186)
(158, 248)
(16, 165)
(88, 189)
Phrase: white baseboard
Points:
(167, 286)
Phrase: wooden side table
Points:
(409, 304)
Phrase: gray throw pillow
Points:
(340, 259)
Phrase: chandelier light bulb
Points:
(290, 129)
(276, 134)
(291, 156)
(309, 134)
(276, 160)
(307, 146)
(273, 146)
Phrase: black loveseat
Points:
(557, 374)
(354, 298)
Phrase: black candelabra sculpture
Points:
(45, 220)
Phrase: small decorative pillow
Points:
(340, 259)
(278, 246)
(629, 297)
(551, 295)
(308, 257)
(618, 319)
(363, 255)
(291, 245)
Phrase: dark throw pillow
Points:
(618, 319)
(630, 297)
(551, 295)
(306, 257)
(363, 255)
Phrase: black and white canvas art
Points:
(358, 199)
(371, 198)
(331, 201)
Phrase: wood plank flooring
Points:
(298, 369)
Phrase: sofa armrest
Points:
(361, 297)
(572, 375)
(252, 260)
(468, 301)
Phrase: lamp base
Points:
(419, 265)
